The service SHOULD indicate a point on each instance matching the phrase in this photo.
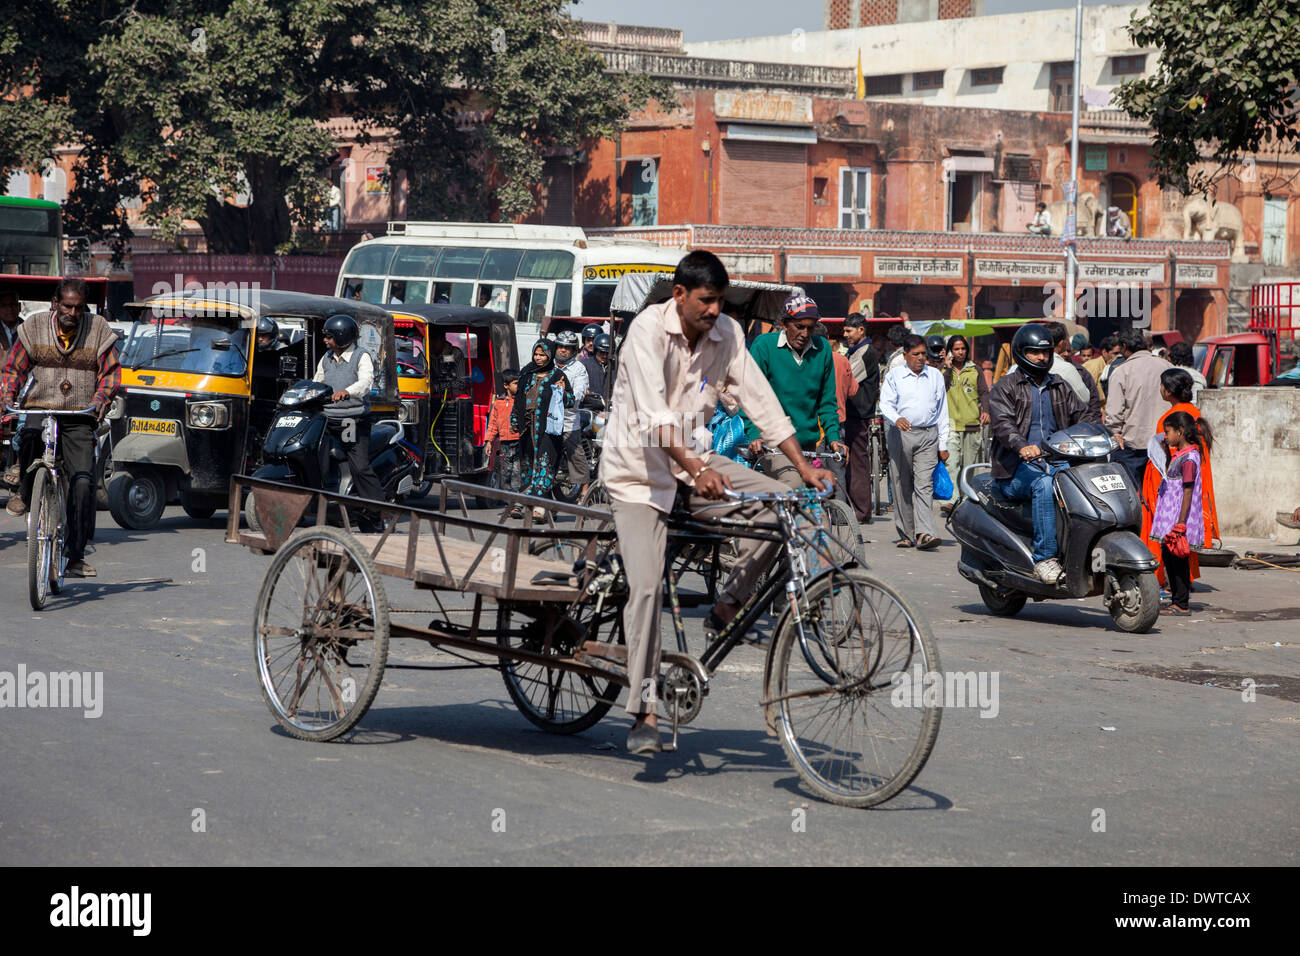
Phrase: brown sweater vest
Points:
(64, 379)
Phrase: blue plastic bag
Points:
(942, 482)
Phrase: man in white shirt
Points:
(1041, 224)
(914, 401)
(349, 371)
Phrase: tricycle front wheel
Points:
(320, 633)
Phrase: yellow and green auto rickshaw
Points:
(199, 390)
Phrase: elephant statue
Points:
(1092, 217)
(1205, 220)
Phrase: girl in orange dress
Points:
(1176, 388)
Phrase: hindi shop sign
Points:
(1034, 269)
(1105, 272)
(1195, 273)
(918, 267)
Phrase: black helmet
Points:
(603, 343)
(1031, 336)
(267, 326)
(589, 332)
(934, 346)
(343, 328)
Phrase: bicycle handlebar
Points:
(776, 495)
(810, 455)
(92, 410)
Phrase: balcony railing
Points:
(889, 240)
(832, 80)
(659, 39)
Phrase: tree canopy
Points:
(193, 102)
(1225, 88)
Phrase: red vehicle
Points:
(1254, 357)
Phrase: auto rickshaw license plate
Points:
(155, 426)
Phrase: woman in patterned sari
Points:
(539, 450)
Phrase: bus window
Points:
(456, 293)
(563, 299)
(407, 291)
(501, 264)
(596, 298)
(29, 238)
(494, 296)
(531, 306)
(460, 263)
(369, 260)
(414, 261)
(367, 290)
(546, 264)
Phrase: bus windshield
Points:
(187, 344)
(29, 238)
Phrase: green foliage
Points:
(196, 101)
(1226, 84)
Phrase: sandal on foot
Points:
(1176, 611)
(926, 541)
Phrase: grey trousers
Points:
(912, 457)
(642, 543)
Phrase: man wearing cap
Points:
(799, 367)
(860, 409)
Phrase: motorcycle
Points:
(301, 450)
(1098, 516)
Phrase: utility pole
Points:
(1071, 231)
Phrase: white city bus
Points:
(525, 271)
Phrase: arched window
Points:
(1124, 194)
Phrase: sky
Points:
(732, 19)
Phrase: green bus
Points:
(31, 237)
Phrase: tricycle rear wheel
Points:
(557, 701)
(321, 618)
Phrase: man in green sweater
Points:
(801, 370)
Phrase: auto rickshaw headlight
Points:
(209, 415)
(409, 413)
(118, 407)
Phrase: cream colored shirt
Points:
(663, 381)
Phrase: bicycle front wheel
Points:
(844, 527)
(41, 524)
(837, 717)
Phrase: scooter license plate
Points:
(1108, 483)
(287, 421)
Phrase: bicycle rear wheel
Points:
(846, 738)
(41, 523)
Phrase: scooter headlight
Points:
(209, 415)
(118, 408)
(409, 413)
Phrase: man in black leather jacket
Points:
(1025, 407)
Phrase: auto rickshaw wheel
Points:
(195, 510)
(136, 497)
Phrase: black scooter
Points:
(1098, 518)
(301, 450)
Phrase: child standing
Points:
(507, 439)
(1179, 520)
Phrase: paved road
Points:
(1150, 729)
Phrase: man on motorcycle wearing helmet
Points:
(935, 348)
(589, 333)
(268, 335)
(1025, 407)
(349, 371)
(599, 372)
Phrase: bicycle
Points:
(47, 512)
(852, 632)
